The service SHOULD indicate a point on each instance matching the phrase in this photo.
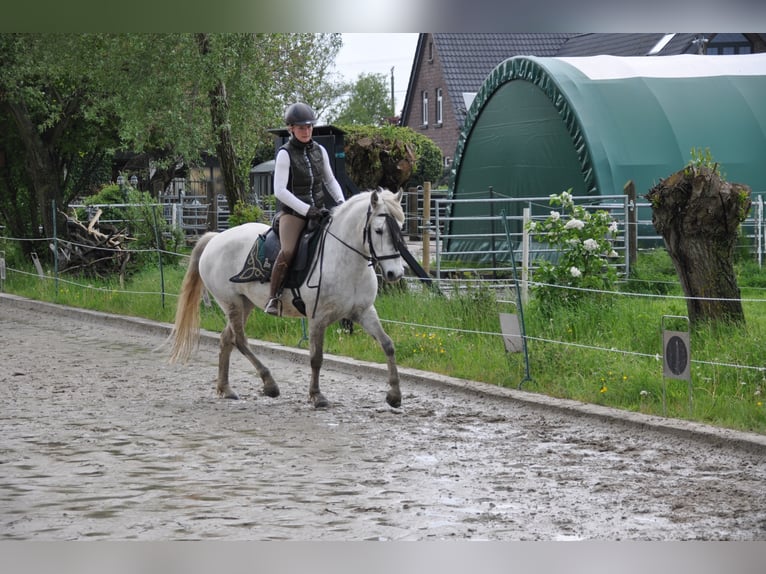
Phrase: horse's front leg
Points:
(316, 354)
(371, 323)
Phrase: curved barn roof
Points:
(539, 126)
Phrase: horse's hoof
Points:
(271, 391)
(228, 395)
(394, 401)
(319, 401)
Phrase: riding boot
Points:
(278, 272)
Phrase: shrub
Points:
(583, 244)
(245, 213)
(139, 215)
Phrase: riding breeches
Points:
(290, 228)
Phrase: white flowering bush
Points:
(583, 241)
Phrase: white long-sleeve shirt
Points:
(282, 174)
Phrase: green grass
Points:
(605, 351)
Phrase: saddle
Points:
(262, 255)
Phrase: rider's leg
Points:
(290, 227)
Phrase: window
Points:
(424, 119)
(724, 44)
(439, 104)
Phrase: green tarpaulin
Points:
(539, 126)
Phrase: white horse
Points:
(341, 284)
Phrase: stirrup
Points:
(273, 307)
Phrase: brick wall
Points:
(429, 77)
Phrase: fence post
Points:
(55, 250)
(760, 228)
(412, 212)
(159, 255)
(426, 226)
(212, 210)
(631, 233)
(527, 216)
(519, 302)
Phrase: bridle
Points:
(396, 237)
(393, 229)
(373, 258)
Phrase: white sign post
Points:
(676, 358)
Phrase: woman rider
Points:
(302, 173)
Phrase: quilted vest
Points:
(305, 179)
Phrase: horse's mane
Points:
(393, 205)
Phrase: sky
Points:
(377, 53)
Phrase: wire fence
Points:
(506, 300)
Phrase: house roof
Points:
(467, 59)
(620, 44)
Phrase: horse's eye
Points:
(379, 231)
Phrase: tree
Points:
(368, 102)
(252, 78)
(698, 214)
(305, 70)
(172, 97)
(49, 98)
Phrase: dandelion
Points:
(574, 271)
(574, 224)
(590, 244)
(644, 393)
(603, 389)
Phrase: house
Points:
(449, 68)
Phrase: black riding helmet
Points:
(300, 114)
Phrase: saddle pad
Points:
(261, 257)
(258, 263)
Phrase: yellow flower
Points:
(603, 389)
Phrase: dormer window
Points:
(723, 44)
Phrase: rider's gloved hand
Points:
(317, 213)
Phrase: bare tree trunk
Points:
(42, 164)
(224, 146)
(698, 215)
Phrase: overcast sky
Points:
(377, 54)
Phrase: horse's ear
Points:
(374, 198)
(398, 195)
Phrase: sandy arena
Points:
(102, 439)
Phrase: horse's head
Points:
(384, 232)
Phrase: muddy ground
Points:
(103, 439)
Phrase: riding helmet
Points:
(300, 114)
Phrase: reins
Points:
(372, 258)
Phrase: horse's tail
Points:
(185, 334)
